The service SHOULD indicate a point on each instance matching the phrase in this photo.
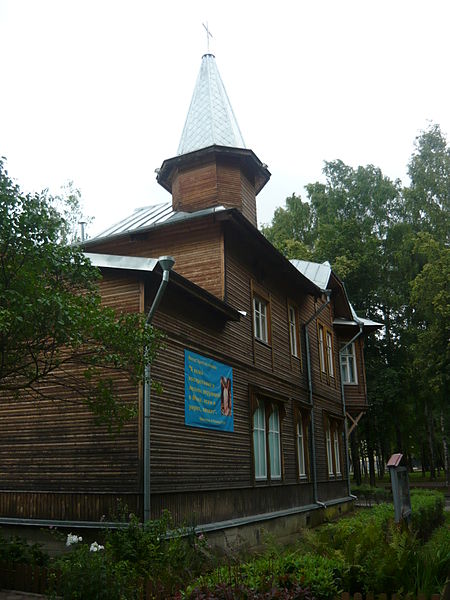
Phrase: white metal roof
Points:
(210, 120)
(113, 261)
(149, 217)
(318, 273)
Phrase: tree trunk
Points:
(445, 449)
(371, 465)
(355, 458)
(430, 431)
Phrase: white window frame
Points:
(321, 334)
(330, 364)
(259, 442)
(329, 450)
(260, 319)
(348, 365)
(293, 331)
(337, 457)
(274, 443)
(301, 448)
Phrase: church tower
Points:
(213, 167)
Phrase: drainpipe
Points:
(166, 263)
(310, 394)
(344, 410)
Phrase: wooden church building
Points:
(261, 373)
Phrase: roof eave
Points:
(247, 157)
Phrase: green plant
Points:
(16, 550)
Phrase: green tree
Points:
(54, 332)
(387, 242)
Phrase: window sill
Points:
(266, 344)
(353, 383)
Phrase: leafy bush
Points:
(224, 591)
(427, 511)
(16, 550)
(131, 557)
(372, 494)
(433, 563)
(275, 572)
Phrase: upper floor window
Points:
(323, 367)
(348, 364)
(293, 331)
(330, 365)
(260, 319)
(326, 354)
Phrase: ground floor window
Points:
(301, 433)
(333, 444)
(267, 453)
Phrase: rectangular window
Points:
(329, 450)
(267, 440)
(301, 447)
(337, 458)
(333, 433)
(330, 366)
(259, 442)
(260, 319)
(293, 331)
(321, 334)
(274, 444)
(348, 364)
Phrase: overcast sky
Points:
(97, 91)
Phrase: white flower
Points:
(96, 547)
(73, 539)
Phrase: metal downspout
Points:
(344, 409)
(310, 394)
(166, 263)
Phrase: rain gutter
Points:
(166, 263)
(310, 394)
(344, 409)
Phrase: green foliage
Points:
(275, 571)
(154, 555)
(16, 550)
(53, 327)
(223, 591)
(427, 511)
(391, 246)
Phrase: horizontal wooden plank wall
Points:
(55, 462)
(197, 248)
(355, 394)
(195, 188)
(69, 506)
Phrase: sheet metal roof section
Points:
(210, 120)
(318, 273)
(113, 261)
(149, 217)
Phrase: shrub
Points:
(231, 592)
(291, 570)
(16, 550)
(427, 511)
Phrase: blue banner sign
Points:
(208, 393)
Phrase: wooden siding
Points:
(196, 246)
(54, 459)
(355, 394)
(195, 188)
(220, 183)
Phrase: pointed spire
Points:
(210, 120)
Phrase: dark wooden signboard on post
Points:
(400, 488)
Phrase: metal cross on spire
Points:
(208, 35)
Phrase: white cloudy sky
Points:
(97, 91)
